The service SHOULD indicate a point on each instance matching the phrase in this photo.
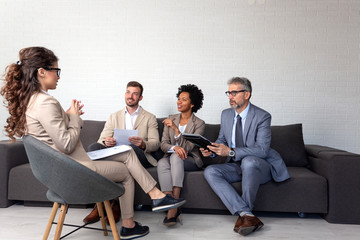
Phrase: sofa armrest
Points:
(341, 169)
(11, 155)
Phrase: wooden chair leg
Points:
(102, 218)
(61, 220)
(51, 220)
(111, 220)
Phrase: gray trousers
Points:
(252, 171)
(171, 170)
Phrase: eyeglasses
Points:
(234, 93)
(58, 70)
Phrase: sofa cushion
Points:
(288, 141)
(305, 191)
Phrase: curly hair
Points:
(21, 83)
(196, 95)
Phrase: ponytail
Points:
(20, 84)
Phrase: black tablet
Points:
(197, 139)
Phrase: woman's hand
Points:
(180, 152)
(75, 108)
(170, 123)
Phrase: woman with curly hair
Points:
(34, 112)
(180, 154)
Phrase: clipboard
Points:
(106, 152)
(197, 139)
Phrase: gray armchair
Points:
(69, 182)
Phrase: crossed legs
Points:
(124, 168)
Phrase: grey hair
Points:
(243, 81)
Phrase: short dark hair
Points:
(136, 84)
(196, 95)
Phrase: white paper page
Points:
(121, 136)
(102, 153)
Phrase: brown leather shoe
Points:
(116, 212)
(93, 217)
(247, 224)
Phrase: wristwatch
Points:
(231, 153)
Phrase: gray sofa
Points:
(323, 180)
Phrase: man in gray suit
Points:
(244, 137)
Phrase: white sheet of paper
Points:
(121, 136)
(102, 153)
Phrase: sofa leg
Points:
(302, 214)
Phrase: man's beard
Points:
(236, 106)
(133, 104)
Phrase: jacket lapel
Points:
(122, 119)
(139, 118)
(191, 124)
(229, 124)
(248, 122)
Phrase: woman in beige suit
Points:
(34, 112)
(180, 155)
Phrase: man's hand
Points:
(205, 152)
(220, 149)
(137, 141)
(180, 152)
(110, 142)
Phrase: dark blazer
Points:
(194, 126)
(257, 134)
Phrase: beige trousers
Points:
(124, 168)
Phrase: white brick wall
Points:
(302, 56)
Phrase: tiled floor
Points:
(28, 223)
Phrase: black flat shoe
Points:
(172, 221)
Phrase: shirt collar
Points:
(135, 113)
(244, 113)
(45, 92)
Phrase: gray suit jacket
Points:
(257, 134)
(195, 125)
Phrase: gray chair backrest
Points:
(68, 179)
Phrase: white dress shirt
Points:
(130, 119)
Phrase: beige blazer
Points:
(146, 125)
(47, 121)
(194, 126)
